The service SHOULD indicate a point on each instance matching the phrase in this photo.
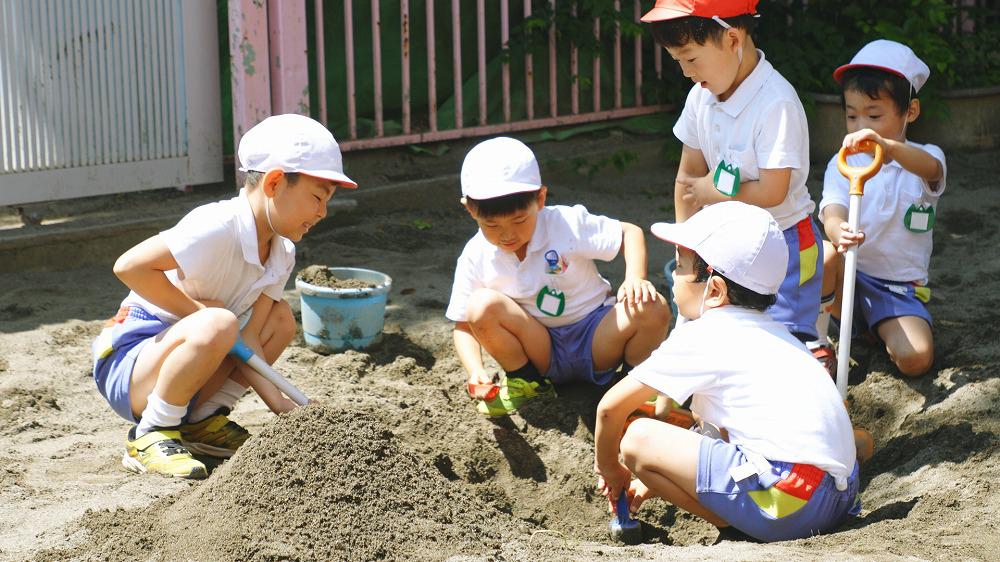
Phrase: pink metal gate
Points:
(276, 32)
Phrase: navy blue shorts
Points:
(798, 298)
(572, 356)
(772, 501)
(876, 300)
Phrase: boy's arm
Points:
(914, 160)
(768, 191)
(470, 354)
(264, 388)
(838, 230)
(142, 268)
(636, 288)
(623, 399)
(692, 167)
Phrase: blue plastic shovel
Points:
(245, 354)
(622, 526)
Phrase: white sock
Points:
(225, 397)
(823, 320)
(159, 414)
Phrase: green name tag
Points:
(550, 301)
(727, 179)
(919, 218)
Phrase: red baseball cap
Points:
(673, 9)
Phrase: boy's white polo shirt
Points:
(215, 246)
(762, 125)
(748, 374)
(890, 251)
(559, 259)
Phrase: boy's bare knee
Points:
(635, 441)
(216, 328)
(483, 304)
(653, 315)
(916, 362)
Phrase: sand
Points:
(393, 463)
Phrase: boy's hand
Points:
(482, 386)
(635, 290)
(848, 238)
(611, 480)
(699, 191)
(853, 140)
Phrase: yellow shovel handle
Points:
(858, 176)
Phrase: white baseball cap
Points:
(740, 241)
(889, 56)
(293, 143)
(498, 167)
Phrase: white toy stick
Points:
(857, 177)
(245, 354)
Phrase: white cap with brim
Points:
(293, 144)
(891, 57)
(499, 167)
(740, 241)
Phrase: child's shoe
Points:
(215, 436)
(513, 393)
(827, 358)
(161, 452)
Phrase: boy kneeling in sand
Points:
(788, 468)
(528, 291)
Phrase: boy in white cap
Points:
(195, 288)
(745, 138)
(528, 291)
(880, 85)
(787, 468)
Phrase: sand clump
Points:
(321, 276)
(320, 483)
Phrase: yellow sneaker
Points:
(160, 451)
(215, 436)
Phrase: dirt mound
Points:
(321, 276)
(319, 484)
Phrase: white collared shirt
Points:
(762, 125)
(215, 246)
(891, 251)
(748, 374)
(559, 259)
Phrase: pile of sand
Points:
(319, 483)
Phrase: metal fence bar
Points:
(404, 8)
(498, 128)
(637, 12)
(288, 64)
(377, 66)
(352, 102)
(596, 81)
(481, 57)
(505, 73)
(574, 71)
(320, 58)
(658, 60)
(553, 101)
(456, 60)
(618, 57)
(431, 70)
(529, 72)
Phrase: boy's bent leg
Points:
(665, 458)
(507, 332)
(630, 333)
(910, 343)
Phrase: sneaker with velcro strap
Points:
(160, 452)
(214, 436)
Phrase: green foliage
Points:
(807, 40)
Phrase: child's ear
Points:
(541, 196)
(271, 180)
(718, 293)
(913, 111)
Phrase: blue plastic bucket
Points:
(339, 319)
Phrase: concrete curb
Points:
(73, 247)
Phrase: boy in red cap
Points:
(745, 138)
(880, 86)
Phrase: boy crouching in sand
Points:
(218, 275)
(788, 467)
(528, 291)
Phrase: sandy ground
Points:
(395, 464)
